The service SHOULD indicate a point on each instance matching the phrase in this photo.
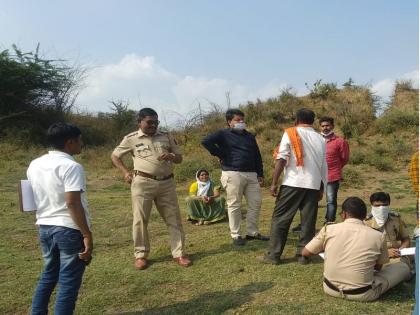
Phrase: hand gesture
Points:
(394, 253)
(166, 157)
(128, 177)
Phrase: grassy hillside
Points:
(223, 279)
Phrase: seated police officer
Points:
(354, 255)
(390, 223)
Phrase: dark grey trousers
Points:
(288, 201)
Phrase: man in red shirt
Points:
(337, 157)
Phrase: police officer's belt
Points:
(143, 174)
(350, 291)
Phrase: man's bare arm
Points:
(306, 253)
(77, 213)
(128, 177)
(278, 169)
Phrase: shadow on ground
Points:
(209, 303)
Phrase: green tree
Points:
(34, 92)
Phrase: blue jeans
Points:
(60, 248)
(332, 190)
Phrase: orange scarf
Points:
(296, 143)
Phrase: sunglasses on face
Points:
(152, 122)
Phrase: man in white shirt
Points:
(59, 186)
(301, 155)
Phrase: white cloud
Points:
(144, 82)
(384, 88)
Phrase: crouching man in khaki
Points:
(354, 255)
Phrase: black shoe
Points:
(238, 241)
(257, 236)
(297, 229)
(266, 260)
(302, 260)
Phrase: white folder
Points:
(26, 196)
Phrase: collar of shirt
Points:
(353, 220)
(244, 132)
(142, 134)
(61, 153)
(330, 137)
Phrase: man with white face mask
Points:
(383, 219)
(242, 173)
(337, 158)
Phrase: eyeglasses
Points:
(152, 122)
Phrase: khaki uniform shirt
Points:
(146, 149)
(351, 251)
(394, 229)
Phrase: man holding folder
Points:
(59, 187)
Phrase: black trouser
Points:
(289, 200)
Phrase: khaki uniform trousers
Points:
(238, 184)
(387, 278)
(145, 191)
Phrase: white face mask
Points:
(380, 213)
(239, 126)
(327, 133)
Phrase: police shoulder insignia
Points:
(369, 216)
(135, 133)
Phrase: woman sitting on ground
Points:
(205, 205)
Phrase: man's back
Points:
(315, 167)
(351, 252)
(51, 175)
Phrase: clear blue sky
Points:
(172, 54)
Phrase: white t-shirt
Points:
(314, 160)
(51, 175)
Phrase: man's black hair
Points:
(146, 112)
(59, 133)
(305, 116)
(380, 196)
(232, 112)
(355, 208)
(327, 119)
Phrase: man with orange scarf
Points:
(302, 156)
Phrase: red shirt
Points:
(337, 156)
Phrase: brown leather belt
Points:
(143, 174)
(349, 291)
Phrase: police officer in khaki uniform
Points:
(153, 153)
(353, 251)
(391, 224)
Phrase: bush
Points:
(357, 157)
(34, 93)
(352, 178)
(395, 119)
(381, 163)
